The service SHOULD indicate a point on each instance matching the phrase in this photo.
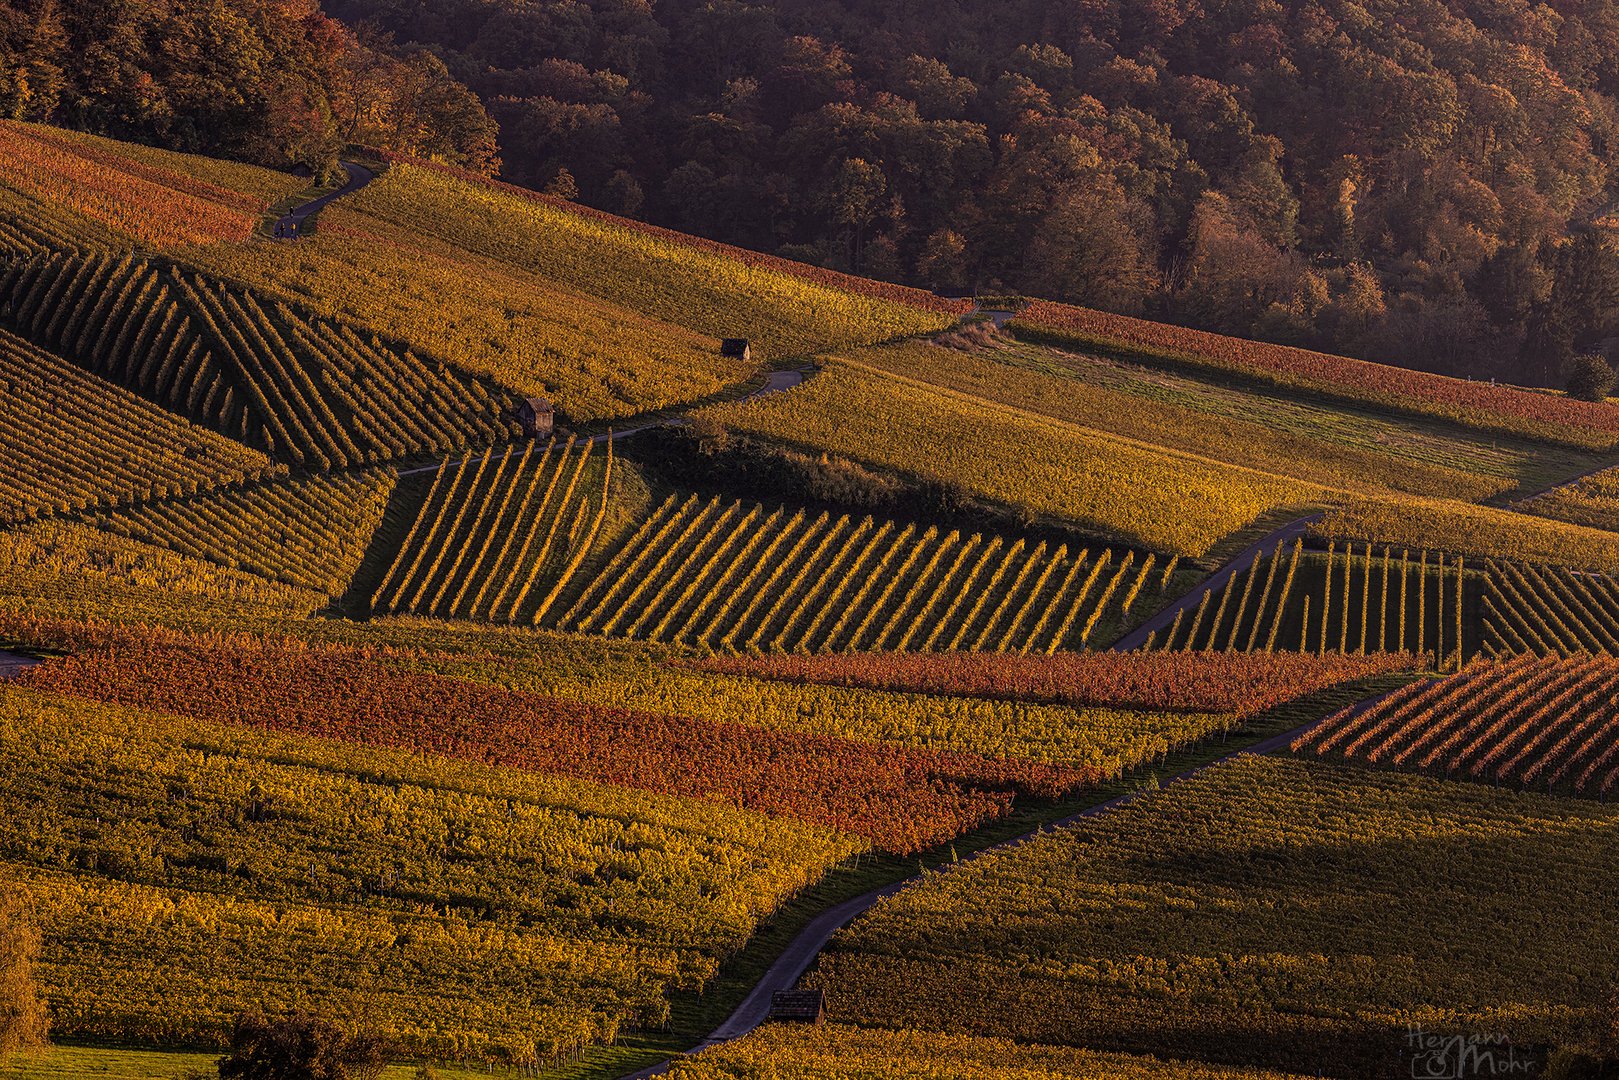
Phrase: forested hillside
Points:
(274, 82)
(1401, 179)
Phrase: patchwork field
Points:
(532, 756)
(480, 877)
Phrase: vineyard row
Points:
(1543, 722)
(308, 391)
(77, 441)
(499, 535)
(311, 532)
(741, 576)
(1358, 600)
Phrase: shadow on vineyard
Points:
(404, 504)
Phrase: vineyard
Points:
(188, 866)
(31, 227)
(900, 799)
(1357, 600)
(529, 757)
(1480, 405)
(739, 575)
(1169, 502)
(1266, 912)
(310, 532)
(594, 360)
(610, 675)
(605, 317)
(840, 1052)
(1592, 501)
(787, 309)
(76, 440)
(1229, 682)
(148, 204)
(305, 390)
(1532, 722)
(73, 568)
(1550, 611)
(1340, 447)
(1477, 532)
(643, 233)
(500, 536)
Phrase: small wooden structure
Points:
(537, 416)
(736, 348)
(798, 1006)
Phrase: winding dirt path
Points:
(290, 226)
(14, 664)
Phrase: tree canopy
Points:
(1397, 178)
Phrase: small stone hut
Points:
(798, 1006)
(737, 348)
(537, 417)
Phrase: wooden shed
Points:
(736, 348)
(537, 416)
(798, 1006)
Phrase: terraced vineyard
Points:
(75, 440)
(1542, 722)
(500, 535)
(739, 575)
(311, 532)
(308, 391)
(1354, 600)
